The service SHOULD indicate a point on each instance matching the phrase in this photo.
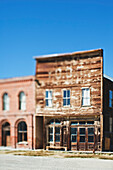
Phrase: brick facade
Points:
(10, 118)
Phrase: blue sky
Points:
(36, 27)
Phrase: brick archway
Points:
(5, 133)
(16, 129)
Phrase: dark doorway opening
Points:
(6, 134)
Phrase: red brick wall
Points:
(13, 87)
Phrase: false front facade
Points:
(69, 101)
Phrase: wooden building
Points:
(69, 101)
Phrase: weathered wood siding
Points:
(70, 72)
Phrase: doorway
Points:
(6, 134)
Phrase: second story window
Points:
(48, 98)
(85, 97)
(22, 101)
(5, 102)
(110, 98)
(66, 98)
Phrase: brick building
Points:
(108, 114)
(17, 108)
(69, 101)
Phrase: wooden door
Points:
(64, 136)
(82, 139)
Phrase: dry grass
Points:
(60, 154)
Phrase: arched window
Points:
(22, 101)
(22, 132)
(5, 102)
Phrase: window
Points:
(74, 123)
(57, 134)
(66, 98)
(90, 122)
(82, 123)
(51, 134)
(85, 97)
(22, 101)
(110, 98)
(54, 131)
(22, 132)
(49, 98)
(90, 135)
(73, 134)
(82, 132)
(5, 102)
(110, 124)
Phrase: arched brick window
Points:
(5, 102)
(22, 131)
(22, 101)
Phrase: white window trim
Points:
(51, 98)
(66, 98)
(6, 102)
(85, 105)
(22, 101)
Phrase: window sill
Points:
(22, 143)
(48, 106)
(85, 105)
(22, 110)
(67, 106)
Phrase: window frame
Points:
(22, 102)
(6, 102)
(82, 135)
(111, 99)
(73, 134)
(22, 132)
(54, 124)
(90, 134)
(85, 98)
(49, 98)
(67, 98)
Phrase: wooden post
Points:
(44, 134)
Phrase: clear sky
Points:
(35, 27)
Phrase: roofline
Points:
(13, 79)
(65, 54)
(108, 77)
